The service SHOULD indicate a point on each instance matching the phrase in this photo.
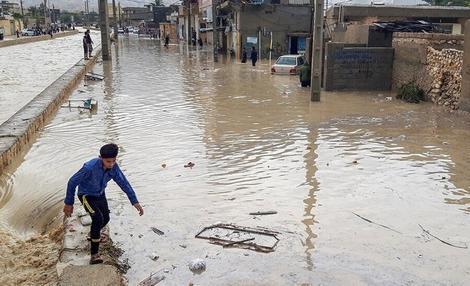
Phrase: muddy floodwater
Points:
(352, 178)
(27, 69)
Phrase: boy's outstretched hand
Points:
(139, 209)
(68, 210)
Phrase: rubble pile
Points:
(445, 69)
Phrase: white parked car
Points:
(288, 64)
(28, 32)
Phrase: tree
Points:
(33, 10)
(158, 3)
(18, 17)
(66, 18)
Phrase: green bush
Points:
(411, 93)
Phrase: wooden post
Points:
(315, 85)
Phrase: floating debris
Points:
(157, 231)
(443, 241)
(163, 166)
(264, 213)
(152, 280)
(189, 165)
(94, 76)
(230, 235)
(197, 265)
(88, 104)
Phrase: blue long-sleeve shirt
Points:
(92, 180)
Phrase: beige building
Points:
(119, 13)
(10, 25)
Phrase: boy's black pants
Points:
(98, 209)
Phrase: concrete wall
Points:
(362, 34)
(279, 19)
(10, 26)
(409, 64)
(465, 96)
(357, 68)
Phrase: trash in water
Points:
(230, 235)
(163, 165)
(264, 213)
(189, 165)
(154, 257)
(88, 104)
(94, 76)
(152, 280)
(197, 265)
(157, 231)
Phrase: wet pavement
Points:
(329, 169)
(28, 69)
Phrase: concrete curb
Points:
(21, 41)
(18, 132)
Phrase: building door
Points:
(293, 45)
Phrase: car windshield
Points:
(286, 61)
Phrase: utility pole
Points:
(45, 14)
(465, 93)
(22, 13)
(21, 5)
(315, 85)
(120, 14)
(190, 35)
(86, 13)
(215, 36)
(105, 41)
(115, 20)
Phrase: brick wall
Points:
(357, 68)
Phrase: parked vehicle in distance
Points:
(120, 31)
(28, 32)
(288, 64)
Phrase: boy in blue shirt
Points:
(92, 180)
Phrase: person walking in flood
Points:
(85, 47)
(244, 55)
(254, 56)
(167, 40)
(92, 180)
(305, 74)
(89, 43)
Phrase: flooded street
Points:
(28, 69)
(352, 178)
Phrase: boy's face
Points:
(108, 163)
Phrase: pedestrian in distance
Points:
(89, 43)
(244, 55)
(85, 46)
(254, 56)
(200, 42)
(92, 180)
(17, 33)
(193, 38)
(167, 40)
(305, 74)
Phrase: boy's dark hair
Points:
(109, 151)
